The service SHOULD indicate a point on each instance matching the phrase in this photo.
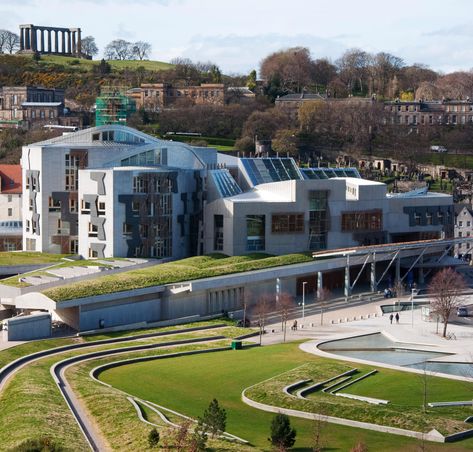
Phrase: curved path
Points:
(90, 432)
(9, 369)
(93, 439)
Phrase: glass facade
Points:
(255, 232)
(319, 217)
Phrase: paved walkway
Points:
(419, 332)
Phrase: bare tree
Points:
(285, 304)
(445, 290)
(118, 49)
(141, 50)
(88, 46)
(9, 41)
(322, 295)
(261, 310)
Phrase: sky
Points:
(238, 34)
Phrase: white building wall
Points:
(10, 201)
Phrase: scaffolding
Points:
(113, 106)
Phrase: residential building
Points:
(155, 96)
(113, 191)
(30, 106)
(463, 228)
(10, 208)
(419, 112)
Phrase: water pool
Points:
(379, 348)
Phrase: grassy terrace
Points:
(183, 270)
(15, 280)
(187, 384)
(404, 391)
(8, 258)
(32, 406)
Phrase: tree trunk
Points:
(445, 323)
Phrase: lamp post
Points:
(303, 299)
(412, 307)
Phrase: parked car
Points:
(462, 311)
(438, 149)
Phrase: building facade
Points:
(414, 113)
(112, 191)
(464, 228)
(10, 208)
(155, 96)
(28, 106)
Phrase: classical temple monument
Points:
(51, 40)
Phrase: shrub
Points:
(43, 444)
(153, 438)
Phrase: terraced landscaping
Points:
(173, 272)
(187, 384)
(33, 391)
(8, 258)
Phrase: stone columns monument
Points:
(68, 45)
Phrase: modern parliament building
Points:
(112, 191)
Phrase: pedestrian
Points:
(391, 318)
(397, 317)
(294, 325)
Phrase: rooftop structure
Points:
(113, 106)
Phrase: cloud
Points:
(235, 53)
(455, 31)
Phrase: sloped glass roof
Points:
(329, 173)
(225, 183)
(265, 170)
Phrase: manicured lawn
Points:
(172, 272)
(188, 384)
(27, 258)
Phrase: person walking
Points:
(294, 326)
(397, 317)
(391, 318)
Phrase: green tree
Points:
(153, 438)
(215, 418)
(283, 436)
(251, 80)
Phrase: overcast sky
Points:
(238, 34)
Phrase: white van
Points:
(438, 149)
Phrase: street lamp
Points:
(303, 299)
(412, 307)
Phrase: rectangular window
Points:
(54, 205)
(135, 207)
(73, 205)
(10, 212)
(460, 224)
(417, 219)
(27, 226)
(85, 207)
(127, 229)
(285, 223)
(101, 207)
(93, 253)
(362, 221)
(429, 218)
(74, 246)
(10, 198)
(255, 232)
(460, 234)
(218, 232)
(71, 172)
(93, 230)
(468, 224)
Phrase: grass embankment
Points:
(188, 384)
(15, 280)
(173, 272)
(8, 258)
(33, 407)
(83, 64)
(403, 390)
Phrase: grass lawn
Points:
(172, 272)
(188, 384)
(8, 258)
(119, 65)
(31, 405)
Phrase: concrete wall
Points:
(28, 327)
